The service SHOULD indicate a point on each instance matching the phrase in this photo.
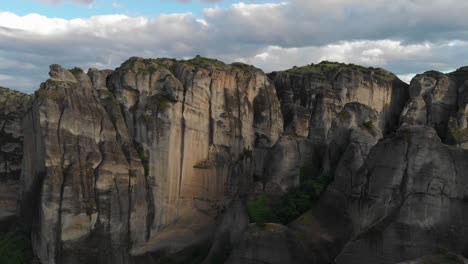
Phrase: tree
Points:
(459, 135)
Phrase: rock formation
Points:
(141, 159)
(317, 99)
(157, 160)
(12, 109)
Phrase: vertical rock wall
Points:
(141, 159)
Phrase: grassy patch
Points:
(326, 66)
(15, 247)
(243, 67)
(202, 62)
(8, 96)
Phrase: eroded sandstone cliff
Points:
(144, 158)
(157, 160)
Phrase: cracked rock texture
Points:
(408, 199)
(12, 109)
(315, 99)
(143, 159)
(153, 162)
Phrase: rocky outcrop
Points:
(268, 244)
(315, 99)
(144, 159)
(407, 200)
(198, 125)
(433, 100)
(323, 89)
(83, 181)
(153, 162)
(351, 137)
(12, 109)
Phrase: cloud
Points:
(116, 5)
(379, 53)
(84, 2)
(189, 1)
(406, 37)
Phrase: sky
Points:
(404, 36)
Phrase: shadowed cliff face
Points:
(407, 200)
(398, 198)
(12, 109)
(153, 162)
(321, 103)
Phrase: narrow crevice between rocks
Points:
(182, 140)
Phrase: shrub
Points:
(157, 102)
(147, 117)
(344, 115)
(301, 199)
(15, 247)
(259, 211)
(458, 134)
(243, 67)
(76, 70)
(326, 66)
(369, 126)
(292, 204)
(148, 70)
(143, 157)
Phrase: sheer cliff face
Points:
(322, 105)
(411, 190)
(11, 149)
(143, 158)
(433, 100)
(324, 89)
(153, 162)
(84, 183)
(400, 197)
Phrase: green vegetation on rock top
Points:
(11, 93)
(76, 70)
(9, 96)
(206, 63)
(203, 62)
(151, 65)
(326, 66)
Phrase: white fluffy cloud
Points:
(406, 37)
